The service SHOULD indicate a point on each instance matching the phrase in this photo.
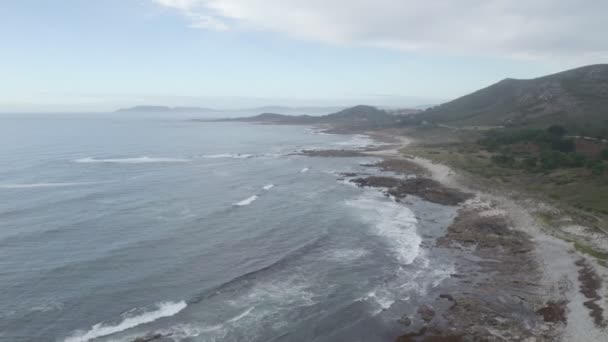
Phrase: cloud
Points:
(545, 29)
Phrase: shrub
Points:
(596, 166)
(557, 130)
(563, 145)
(503, 160)
(576, 160)
(550, 160)
(529, 163)
(604, 154)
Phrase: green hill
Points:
(578, 96)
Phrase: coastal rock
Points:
(377, 182)
(429, 190)
(426, 313)
(332, 153)
(425, 188)
(400, 166)
(554, 312)
(348, 174)
(149, 338)
(405, 320)
(471, 228)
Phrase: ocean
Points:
(114, 228)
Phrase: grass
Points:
(590, 251)
(575, 187)
(601, 257)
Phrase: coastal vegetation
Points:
(533, 161)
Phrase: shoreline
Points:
(527, 283)
(560, 289)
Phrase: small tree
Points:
(596, 166)
(557, 130)
(577, 160)
(529, 163)
(563, 145)
(503, 160)
(598, 169)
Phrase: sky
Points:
(84, 55)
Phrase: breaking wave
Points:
(392, 221)
(304, 170)
(229, 155)
(165, 309)
(256, 276)
(136, 160)
(242, 156)
(268, 187)
(357, 141)
(246, 201)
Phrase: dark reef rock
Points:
(424, 188)
(377, 182)
(149, 338)
(554, 312)
(405, 320)
(401, 166)
(332, 153)
(429, 190)
(426, 313)
(591, 284)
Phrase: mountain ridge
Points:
(579, 94)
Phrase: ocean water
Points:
(113, 228)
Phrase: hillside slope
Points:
(354, 117)
(574, 96)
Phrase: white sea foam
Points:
(357, 141)
(246, 201)
(42, 185)
(242, 315)
(229, 155)
(346, 255)
(165, 309)
(394, 222)
(381, 298)
(214, 332)
(135, 160)
(188, 331)
(304, 170)
(268, 187)
(290, 292)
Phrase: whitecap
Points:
(165, 309)
(246, 201)
(135, 160)
(186, 331)
(384, 300)
(357, 141)
(346, 255)
(289, 292)
(242, 315)
(229, 155)
(268, 187)
(392, 221)
(304, 170)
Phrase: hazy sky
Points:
(103, 54)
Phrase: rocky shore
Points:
(514, 280)
(525, 284)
